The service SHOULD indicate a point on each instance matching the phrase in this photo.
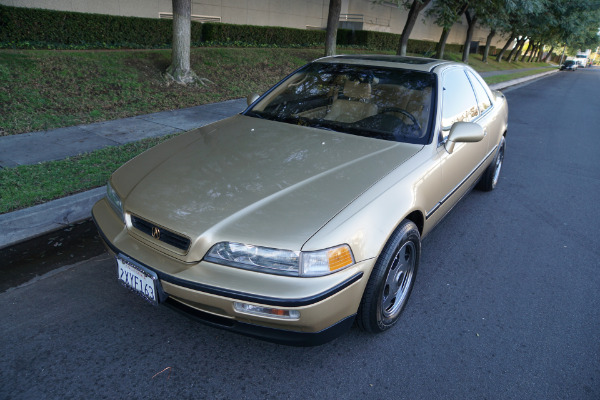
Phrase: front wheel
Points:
(489, 179)
(391, 280)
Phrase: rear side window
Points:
(483, 100)
(458, 100)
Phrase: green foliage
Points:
(44, 89)
(259, 36)
(447, 12)
(36, 28)
(263, 35)
(27, 28)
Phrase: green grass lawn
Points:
(28, 185)
(493, 65)
(42, 90)
(505, 77)
(49, 89)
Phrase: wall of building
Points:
(288, 13)
(302, 14)
(129, 8)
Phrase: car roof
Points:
(390, 61)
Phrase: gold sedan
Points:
(305, 212)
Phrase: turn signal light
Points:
(339, 257)
(263, 311)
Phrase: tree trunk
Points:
(540, 52)
(333, 20)
(180, 70)
(549, 54)
(508, 43)
(532, 53)
(529, 48)
(441, 45)
(439, 49)
(488, 43)
(534, 56)
(471, 20)
(514, 50)
(413, 14)
(518, 54)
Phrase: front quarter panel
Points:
(369, 221)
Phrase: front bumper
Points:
(206, 291)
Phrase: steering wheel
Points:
(403, 112)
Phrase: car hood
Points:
(253, 181)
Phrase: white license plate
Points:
(135, 278)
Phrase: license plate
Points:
(138, 279)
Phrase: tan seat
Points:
(354, 108)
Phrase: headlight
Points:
(284, 262)
(281, 262)
(114, 200)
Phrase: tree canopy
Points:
(546, 22)
(540, 23)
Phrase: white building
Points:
(304, 14)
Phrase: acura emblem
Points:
(155, 232)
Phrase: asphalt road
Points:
(506, 304)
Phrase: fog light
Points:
(266, 311)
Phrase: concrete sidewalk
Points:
(56, 144)
(31, 148)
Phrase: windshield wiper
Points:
(255, 114)
(325, 127)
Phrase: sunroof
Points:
(397, 59)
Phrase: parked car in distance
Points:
(569, 65)
(306, 212)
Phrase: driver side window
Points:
(458, 99)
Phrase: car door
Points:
(460, 168)
(489, 117)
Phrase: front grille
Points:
(166, 236)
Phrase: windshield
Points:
(382, 103)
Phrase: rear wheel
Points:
(391, 280)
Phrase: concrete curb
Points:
(504, 85)
(31, 222)
(22, 225)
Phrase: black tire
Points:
(391, 280)
(489, 179)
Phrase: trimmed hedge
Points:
(37, 28)
(261, 35)
(18, 25)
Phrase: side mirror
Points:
(463, 132)
(252, 98)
